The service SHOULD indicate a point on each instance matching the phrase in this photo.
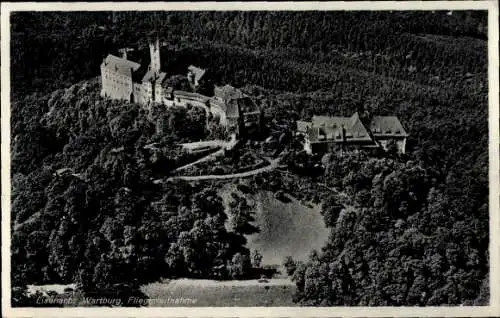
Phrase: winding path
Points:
(273, 164)
(208, 157)
(225, 145)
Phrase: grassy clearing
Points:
(199, 293)
(286, 229)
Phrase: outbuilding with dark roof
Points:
(195, 74)
(323, 133)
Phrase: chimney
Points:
(123, 52)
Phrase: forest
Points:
(412, 230)
(85, 209)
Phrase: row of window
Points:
(110, 74)
(117, 81)
(115, 86)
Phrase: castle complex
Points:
(123, 79)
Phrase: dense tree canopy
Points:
(85, 208)
(400, 241)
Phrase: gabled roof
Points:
(162, 77)
(387, 126)
(197, 72)
(191, 96)
(120, 65)
(149, 76)
(245, 105)
(357, 129)
(332, 127)
(313, 134)
(329, 121)
(303, 126)
(228, 92)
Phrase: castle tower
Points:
(154, 51)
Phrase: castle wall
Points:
(147, 90)
(182, 99)
(140, 94)
(159, 94)
(143, 92)
(180, 102)
(401, 145)
(115, 85)
(217, 111)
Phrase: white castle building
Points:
(119, 78)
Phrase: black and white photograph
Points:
(249, 158)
